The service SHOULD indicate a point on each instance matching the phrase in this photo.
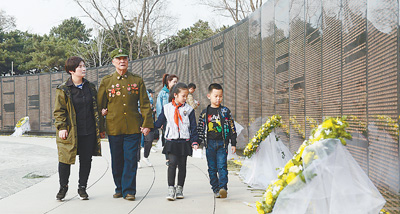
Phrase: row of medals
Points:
(115, 90)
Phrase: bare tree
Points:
(161, 24)
(93, 51)
(7, 22)
(236, 9)
(130, 17)
(100, 42)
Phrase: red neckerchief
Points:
(177, 116)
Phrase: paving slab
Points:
(151, 185)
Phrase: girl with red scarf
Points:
(181, 136)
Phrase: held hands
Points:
(104, 112)
(102, 134)
(233, 149)
(195, 146)
(63, 134)
(145, 131)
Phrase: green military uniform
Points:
(120, 95)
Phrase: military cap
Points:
(118, 53)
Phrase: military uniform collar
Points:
(119, 77)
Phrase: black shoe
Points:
(62, 192)
(82, 193)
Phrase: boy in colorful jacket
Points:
(216, 128)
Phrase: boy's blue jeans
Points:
(217, 164)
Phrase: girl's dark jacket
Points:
(228, 126)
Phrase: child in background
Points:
(217, 128)
(181, 136)
(168, 81)
(147, 141)
(190, 100)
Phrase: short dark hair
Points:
(215, 86)
(192, 85)
(72, 63)
(176, 90)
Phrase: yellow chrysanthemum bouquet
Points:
(331, 128)
(261, 134)
(21, 121)
(383, 211)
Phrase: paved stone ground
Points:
(23, 155)
(24, 164)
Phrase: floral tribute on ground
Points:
(261, 134)
(331, 128)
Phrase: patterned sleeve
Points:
(232, 128)
(201, 126)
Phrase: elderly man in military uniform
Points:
(119, 94)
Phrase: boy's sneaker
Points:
(153, 150)
(62, 192)
(179, 192)
(223, 193)
(82, 193)
(147, 162)
(217, 195)
(171, 193)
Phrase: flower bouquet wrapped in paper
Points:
(265, 154)
(272, 123)
(332, 182)
(21, 127)
(322, 177)
(259, 170)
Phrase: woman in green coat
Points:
(77, 123)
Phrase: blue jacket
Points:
(162, 99)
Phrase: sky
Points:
(39, 16)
